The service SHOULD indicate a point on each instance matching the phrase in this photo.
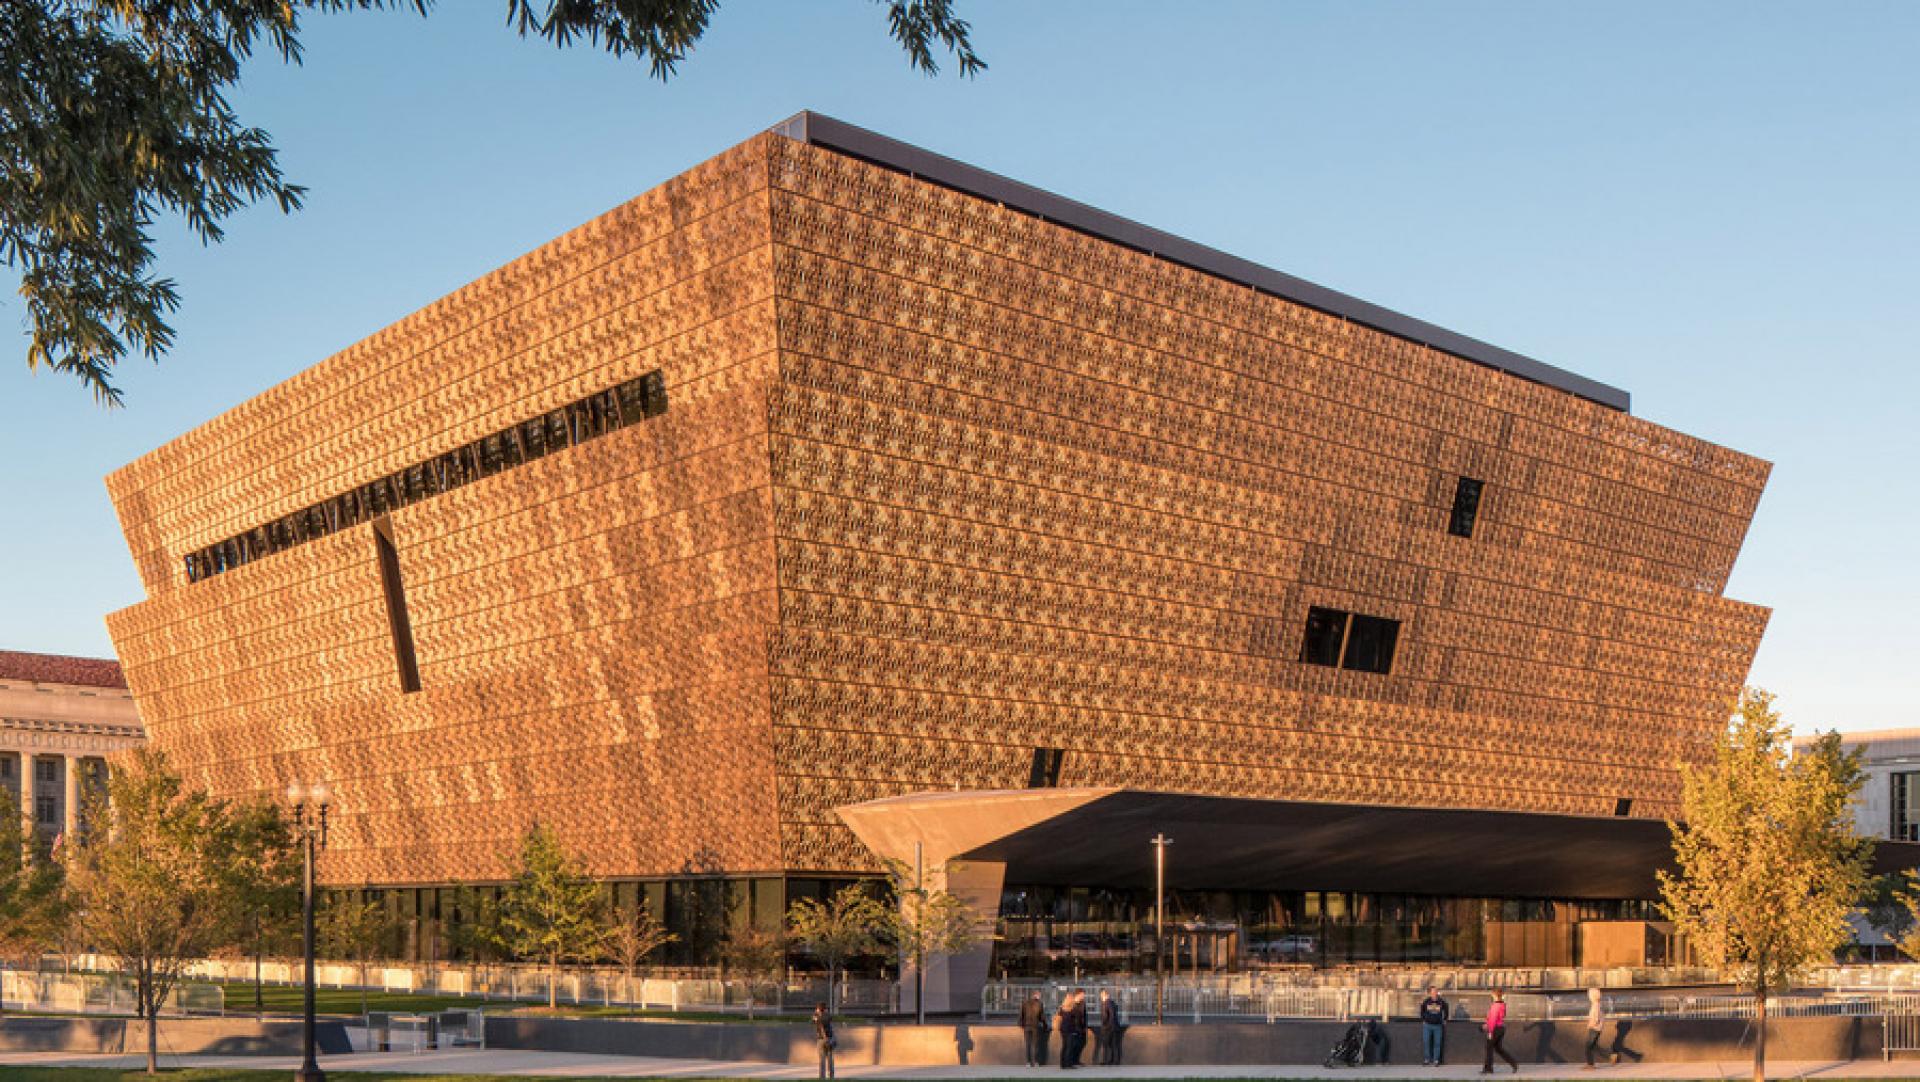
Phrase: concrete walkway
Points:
(565, 1065)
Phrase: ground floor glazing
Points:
(1043, 931)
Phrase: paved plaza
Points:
(571, 1065)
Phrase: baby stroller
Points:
(1351, 1049)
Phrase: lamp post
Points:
(310, 821)
(1160, 843)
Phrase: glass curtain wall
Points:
(1050, 931)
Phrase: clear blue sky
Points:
(1711, 205)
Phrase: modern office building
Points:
(835, 496)
(1888, 804)
(60, 719)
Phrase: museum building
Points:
(836, 498)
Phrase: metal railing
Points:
(1900, 1026)
(1256, 998)
(388, 1032)
(1244, 997)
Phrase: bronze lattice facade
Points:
(941, 493)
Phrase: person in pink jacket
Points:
(1496, 1027)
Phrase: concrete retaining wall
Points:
(1219, 1043)
(125, 1036)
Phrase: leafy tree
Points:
(264, 872)
(33, 911)
(552, 912)
(757, 955)
(925, 921)
(633, 937)
(355, 930)
(151, 890)
(114, 113)
(1769, 866)
(845, 926)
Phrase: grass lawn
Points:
(284, 999)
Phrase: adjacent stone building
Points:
(834, 471)
(60, 718)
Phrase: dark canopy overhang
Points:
(1099, 837)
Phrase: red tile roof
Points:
(90, 672)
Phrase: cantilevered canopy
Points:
(1099, 837)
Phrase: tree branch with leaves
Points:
(115, 114)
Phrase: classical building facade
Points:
(833, 472)
(60, 718)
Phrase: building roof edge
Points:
(819, 130)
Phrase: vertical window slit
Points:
(396, 594)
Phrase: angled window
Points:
(1466, 507)
(1623, 806)
(1370, 642)
(1326, 631)
(397, 622)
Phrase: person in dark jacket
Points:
(1433, 1028)
(823, 1036)
(1073, 1029)
(1033, 1023)
(1109, 1030)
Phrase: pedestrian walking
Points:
(1433, 1028)
(823, 1036)
(1596, 1022)
(1033, 1023)
(1109, 1030)
(1496, 1027)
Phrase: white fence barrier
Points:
(574, 987)
(94, 993)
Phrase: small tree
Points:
(1892, 908)
(843, 927)
(354, 930)
(151, 890)
(263, 872)
(1769, 866)
(757, 955)
(33, 911)
(925, 921)
(1887, 907)
(552, 911)
(632, 937)
(474, 933)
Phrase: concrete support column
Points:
(71, 764)
(954, 981)
(29, 790)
